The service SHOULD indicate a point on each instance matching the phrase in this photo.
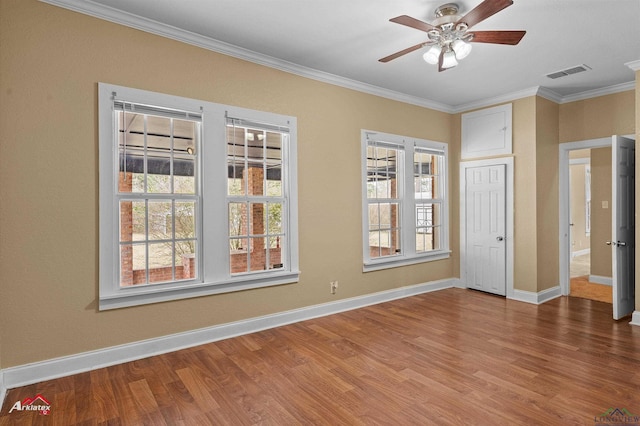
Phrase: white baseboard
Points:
(457, 283)
(597, 279)
(536, 298)
(635, 318)
(65, 366)
(580, 252)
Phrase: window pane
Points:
(254, 177)
(238, 219)
(126, 265)
(384, 215)
(427, 175)
(186, 260)
(274, 217)
(238, 255)
(382, 172)
(384, 243)
(255, 162)
(235, 160)
(275, 253)
(274, 164)
(160, 220)
(161, 262)
(257, 219)
(185, 213)
(374, 216)
(133, 264)
(132, 220)
(184, 161)
(428, 221)
(131, 152)
(159, 154)
(427, 214)
(428, 239)
(257, 254)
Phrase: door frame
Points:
(509, 217)
(563, 201)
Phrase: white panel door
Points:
(485, 261)
(623, 232)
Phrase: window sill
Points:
(150, 294)
(394, 262)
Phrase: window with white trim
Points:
(196, 198)
(405, 209)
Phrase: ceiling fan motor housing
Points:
(446, 14)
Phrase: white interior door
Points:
(623, 232)
(485, 224)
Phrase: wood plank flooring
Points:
(452, 357)
(582, 287)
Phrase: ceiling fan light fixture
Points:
(449, 35)
(461, 48)
(432, 56)
(449, 59)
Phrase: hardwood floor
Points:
(452, 357)
(581, 287)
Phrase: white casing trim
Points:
(65, 366)
(635, 318)
(597, 279)
(3, 390)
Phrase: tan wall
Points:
(579, 237)
(525, 187)
(598, 117)
(601, 216)
(51, 61)
(547, 204)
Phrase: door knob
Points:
(500, 238)
(609, 243)
(621, 244)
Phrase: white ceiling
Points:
(342, 40)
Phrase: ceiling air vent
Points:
(569, 71)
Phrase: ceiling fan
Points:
(449, 35)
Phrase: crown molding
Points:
(106, 13)
(634, 65)
(508, 97)
(110, 14)
(610, 90)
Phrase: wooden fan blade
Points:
(484, 10)
(413, 23)
(498, 37)
(401, 53)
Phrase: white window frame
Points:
(406, 198)
(213, 258)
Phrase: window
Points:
(255, 196)
(196, 198)
(404, 202)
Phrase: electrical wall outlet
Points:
(334, 286)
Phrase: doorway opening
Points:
(585, 218)
(611, 220)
